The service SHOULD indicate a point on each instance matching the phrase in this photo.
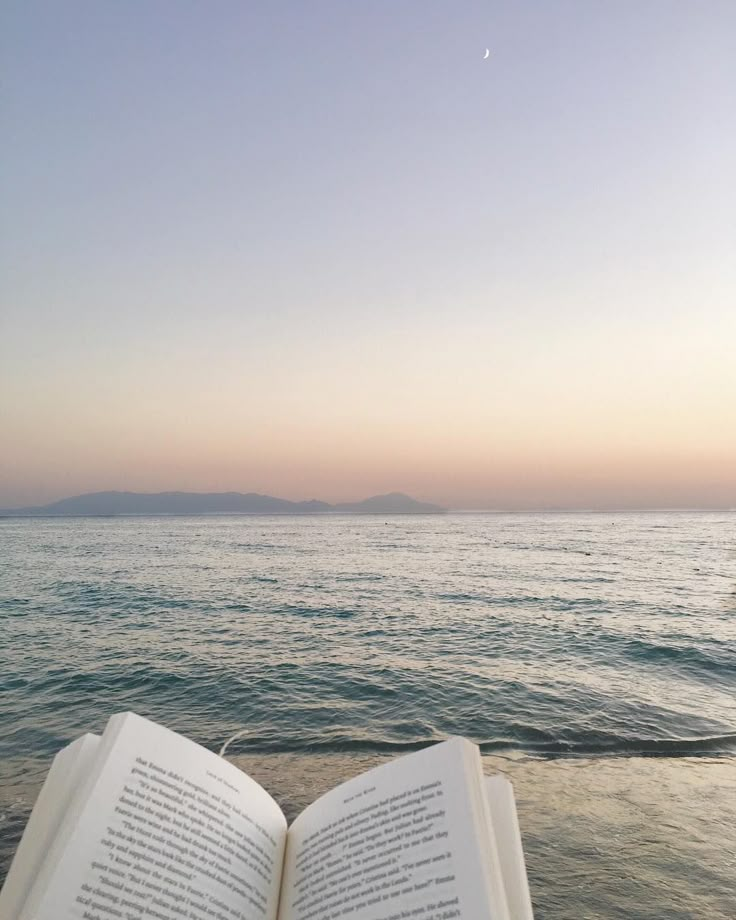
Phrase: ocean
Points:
(592, 656)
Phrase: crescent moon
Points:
(485, 56)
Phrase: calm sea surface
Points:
(592, 656)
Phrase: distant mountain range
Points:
(111, 503)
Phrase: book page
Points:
(401, 841)
(162, 830)
(69, 768)
(500, 794)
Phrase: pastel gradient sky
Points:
(325, 249)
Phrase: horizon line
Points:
(15, 513)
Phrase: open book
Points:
(143, 824)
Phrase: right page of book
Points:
(409, 839)
(500, 795)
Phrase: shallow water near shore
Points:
(614, 837)
(604, 837)
(592, 656)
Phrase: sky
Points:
(329, 250)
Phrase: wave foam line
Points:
(621, 747)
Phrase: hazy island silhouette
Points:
(113, 503)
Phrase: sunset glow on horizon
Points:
(332, 252)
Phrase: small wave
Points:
(339, 745)
(625, 747)
(615, 747)
(301, 611)
(550, 602)
(711, 662)
(360, 577)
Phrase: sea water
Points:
(591, 656)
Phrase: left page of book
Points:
(69, 769)
(162, 829)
